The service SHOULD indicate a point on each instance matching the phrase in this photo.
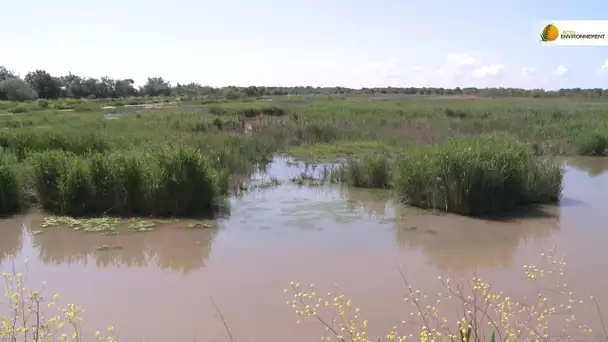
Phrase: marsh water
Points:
(161, 285)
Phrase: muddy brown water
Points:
(159, 285)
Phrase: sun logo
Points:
(549, 34)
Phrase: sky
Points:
(354, 44)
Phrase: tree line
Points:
(40, 84)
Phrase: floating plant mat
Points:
(103, 224)
(201, 225)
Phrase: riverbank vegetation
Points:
(99, 159)
(483, 313)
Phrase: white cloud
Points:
(463, 68)
(490, 70)
(603, 68)
(460, 59)
(560, 71)
(527, 72)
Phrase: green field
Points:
(181, 159)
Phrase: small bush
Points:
(455, 113)
(218, 123)
(475, 176)
(594, 145)
(19, 109)
(217, 110)
(316, 132)
(87, 107)
(273, 111)
(251, 112)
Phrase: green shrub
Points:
(455, 113)
(20, 108)
(217, 110)
(251, 112)
(594, 145)
(273, 111)
(316, 132)
(87, 107)
(475, 176)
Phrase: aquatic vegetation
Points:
(368, 172)
(99, 224)
(29, 316)
(10, 184)
(484, 314)
(176, 182)
(475, 176)
(594, 145)
(200, 225)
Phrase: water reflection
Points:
(374, 202)
(11, 237)
(170, 247)
(594, 166)
(460, 245)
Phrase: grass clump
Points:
(10, 184)
(251, 112)
(368, 172)
(218, 110)
(273, 111)
(176, 182)
(594, 145)
(476, 176)
(87, 107)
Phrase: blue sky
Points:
(320, 43)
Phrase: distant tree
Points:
(16, 89)
(156, 86)
(47, 86)
(5, 73)
(125, 88)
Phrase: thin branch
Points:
(223, 320)
(599, 312)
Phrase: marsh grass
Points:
(313, 128)
(367, 172)
(164, 183)
(476, 176)
(594, 145)
(11, 184)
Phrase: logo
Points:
(550, 33)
